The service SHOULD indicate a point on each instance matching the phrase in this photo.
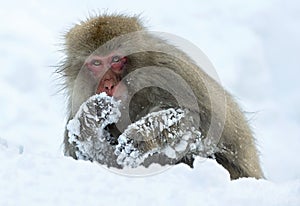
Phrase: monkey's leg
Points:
(237, 150)
(239, 158)
(87, 132)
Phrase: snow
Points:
(44, 180)
(254, 47)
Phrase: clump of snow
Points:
(73, 128)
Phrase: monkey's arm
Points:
(163, 137)
(86, 131)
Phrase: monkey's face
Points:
(108, 71)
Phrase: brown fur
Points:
(236, 148)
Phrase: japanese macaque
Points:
(157, 83)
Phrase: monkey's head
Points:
(101, 69)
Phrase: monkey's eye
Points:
(115, 59)
(96, 62)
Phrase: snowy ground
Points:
(254, 46)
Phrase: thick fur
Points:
(236, 149)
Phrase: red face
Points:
(109, 70)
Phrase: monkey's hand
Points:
(86, 131)
(162, 137)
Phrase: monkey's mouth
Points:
(108, 86)
(111, 86)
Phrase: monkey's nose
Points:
(109, 87)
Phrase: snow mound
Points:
(32, 179)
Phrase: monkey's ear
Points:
(88, 35)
